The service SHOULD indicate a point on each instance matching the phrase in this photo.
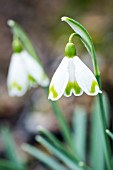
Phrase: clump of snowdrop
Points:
(24, 71)
(72, 76)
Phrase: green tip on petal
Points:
(54, 92)
(93, 86)
(10, 22)
(74, 86)
(16, 85)
(31, 81)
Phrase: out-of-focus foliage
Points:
(14, 160)
(98, 160)
(68, 157)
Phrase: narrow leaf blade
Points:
(54, 141)
(97, 153)
(72, 165)
(79, 127)
(7, 165)
(10, 148)
(43, 157)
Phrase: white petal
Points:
(72, 86)
(59, 80)
(85, 78)
(35, 70)
(17, 76)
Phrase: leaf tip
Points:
(38, 138)
(10, 22)
(107, 131)
(24, 146)
(40, 128)
(64, 18)
(81, 164)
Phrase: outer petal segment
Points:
(85, 78)
(17, 76)
(72, 86)
(35, 71)
(59, 80)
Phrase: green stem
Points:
(71, 36)
(102, 115)
(62, 123)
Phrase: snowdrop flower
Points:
(72, 76)
(24, 72)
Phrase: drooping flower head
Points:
(24, 71)
(72, 76)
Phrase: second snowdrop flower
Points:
(24, 72)
(72, 76)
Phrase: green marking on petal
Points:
(16, 85)
(54, 92)
(74, 86)
(93, 85)
(31, 79)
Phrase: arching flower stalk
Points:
(72, 76)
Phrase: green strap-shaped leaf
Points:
(10, 149)
(54, 141)
(60, 155)
(8, 165)
(60, 150)
(80, 127)
(43, 157)
(97, 153)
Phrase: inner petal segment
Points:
(72, 86)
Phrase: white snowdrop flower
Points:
(24, 72)
(72, 76)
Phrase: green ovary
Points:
(54, 92)
(16, 85)
(93, 86)
(74, 86)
